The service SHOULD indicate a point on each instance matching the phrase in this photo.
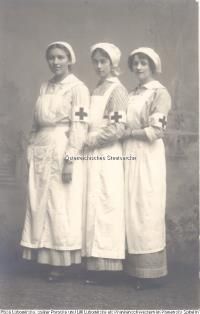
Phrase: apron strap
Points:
(108, 94)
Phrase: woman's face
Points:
(141, 68)
(58, 62)
(102, 65)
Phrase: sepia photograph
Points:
(99, 148)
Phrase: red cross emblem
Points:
(163, 121)
(116, 116)
(81, 114)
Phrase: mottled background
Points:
(170, 27)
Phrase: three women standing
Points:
(52, 231)
(53, 226)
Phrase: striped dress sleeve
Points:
(79, 119)
(159, 110)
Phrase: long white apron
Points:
(54, 210)
(105, 226)
(145, 186)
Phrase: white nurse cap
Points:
(67, 46)
(148, 52)
(112, 50)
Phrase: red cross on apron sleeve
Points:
(80, 114)
(117, 117)
(158, 120)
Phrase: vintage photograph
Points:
(99, 195)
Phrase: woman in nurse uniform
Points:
(52, 231)
(145, 178)
(105, 225)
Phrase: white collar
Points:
(152, 85)
(71, 78)
(113, 79)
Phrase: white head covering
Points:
(112, 50)
(67, 46)
(148, 52)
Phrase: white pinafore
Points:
(145, 184)
(54, 210)
(105, 225)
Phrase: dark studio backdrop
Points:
(170, 27)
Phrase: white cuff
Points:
(150, 133)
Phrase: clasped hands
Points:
(89, 144)
(136, 134)
(128, 132)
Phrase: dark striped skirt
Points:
(151, 265)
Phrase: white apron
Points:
(105, 227)
(145, 185)
(54, 210)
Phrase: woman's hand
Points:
(127, 133)
(67, 171)
(88, 144)
(139, 134)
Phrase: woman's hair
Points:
(115, 70)
(60, 47)
(142, 56)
